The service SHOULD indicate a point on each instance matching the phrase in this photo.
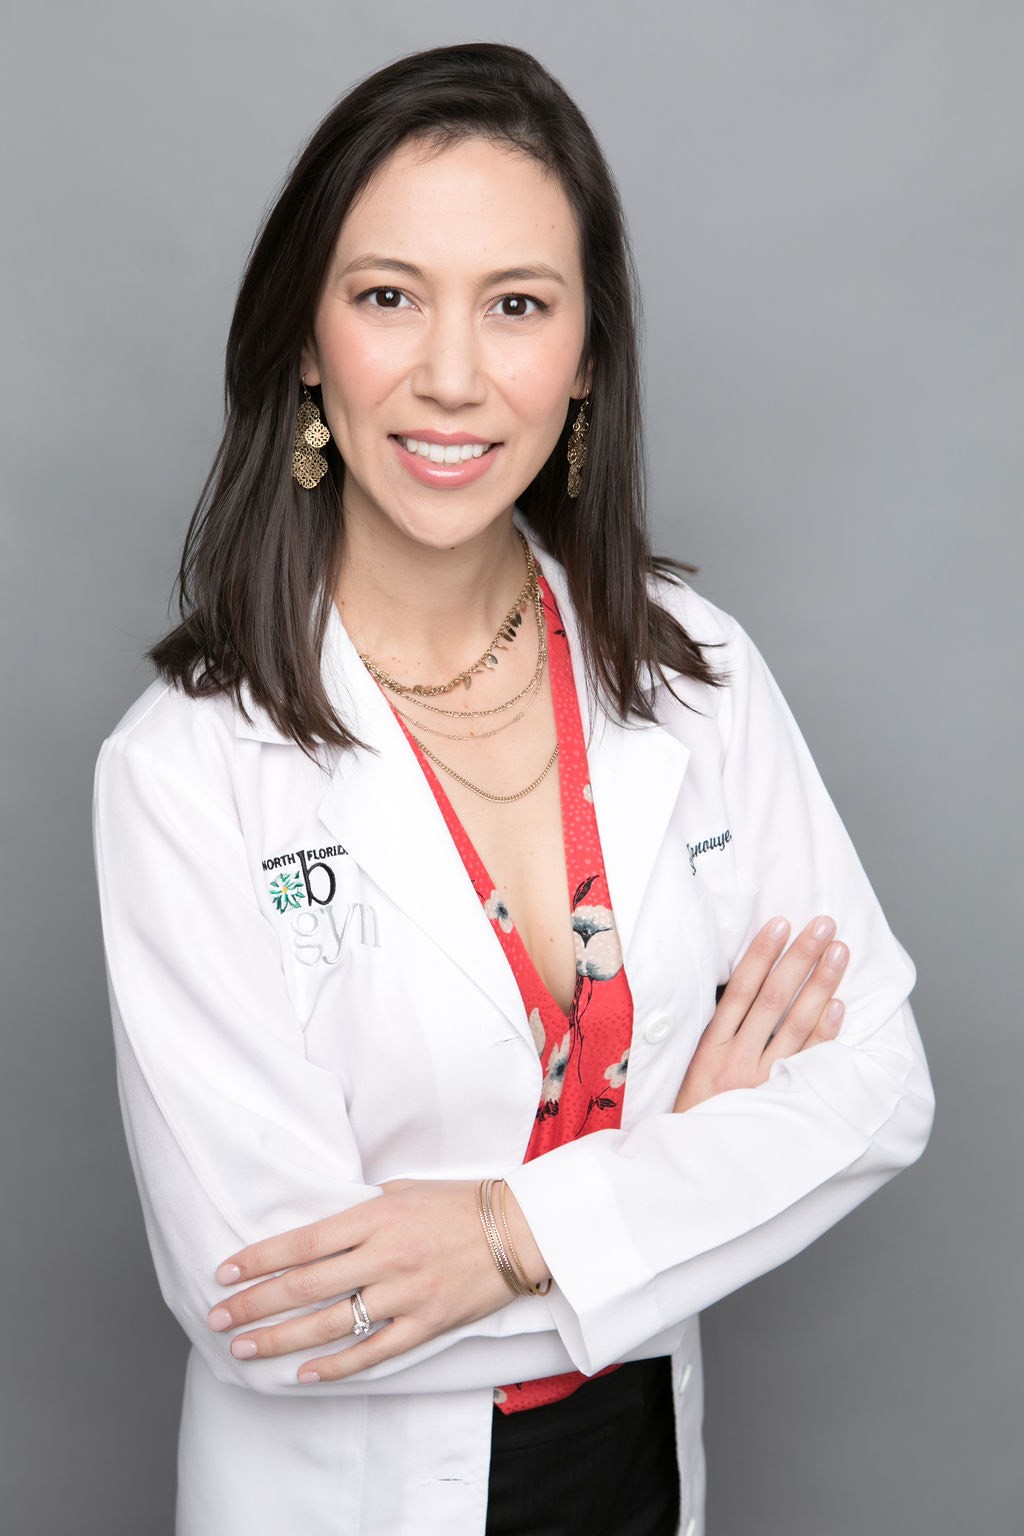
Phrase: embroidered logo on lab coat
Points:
(303, 878)
(321, 923)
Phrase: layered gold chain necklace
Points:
(417, 694)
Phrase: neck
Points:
(427, 612)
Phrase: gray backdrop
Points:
(826, 200)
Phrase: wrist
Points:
(515, 1253)
(530, 1255)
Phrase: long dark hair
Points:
(261, 555)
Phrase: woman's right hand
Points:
(760, 1019)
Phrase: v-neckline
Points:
(568, 724)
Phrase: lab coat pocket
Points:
(719, 924)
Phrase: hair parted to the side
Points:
(261, 555)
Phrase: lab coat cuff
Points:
(599, 1310)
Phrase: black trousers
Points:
(599, 1463)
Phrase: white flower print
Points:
(500, 1395)
(598, 952)
(551, 1089)
(498, 913)
(537, 1031)
(616, 1073)
(588, 794)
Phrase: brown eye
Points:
(515, 305)
(387, 298)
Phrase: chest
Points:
(518, 861)
(398, 975)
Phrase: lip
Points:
(444, 476)
(445, 438)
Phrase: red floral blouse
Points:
(585, 1053)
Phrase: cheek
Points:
(541, 399)
(359, 370)
(541, 384)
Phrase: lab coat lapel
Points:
(636, 773)
(379, 805)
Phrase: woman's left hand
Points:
(417, 1254)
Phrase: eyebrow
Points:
(528, 274)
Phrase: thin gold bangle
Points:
(521, 1275)
(490, 1226)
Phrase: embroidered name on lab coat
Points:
(696, 849)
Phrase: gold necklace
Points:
(485, 794)
(431, 730)
(479, 714)
(507, 630)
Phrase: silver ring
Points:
(360, 1317)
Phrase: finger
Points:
(394, 1339)
(829, 1025)
(776, 996)
(314, 1330)
(301, 1286)
(747, 980)
(301, 1245)
(810, 1007)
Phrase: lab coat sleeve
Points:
(642, 1227)
(233, 1133)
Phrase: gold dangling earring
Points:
(309, 465)
(577, 450)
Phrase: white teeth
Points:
(440, 453)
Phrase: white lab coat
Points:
(290, 1034)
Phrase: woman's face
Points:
(448, 339)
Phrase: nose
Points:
(449, 369)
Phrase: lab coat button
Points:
(657, 1028)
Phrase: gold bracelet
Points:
(506, 1259)
(490, 1226)
(523, 1277)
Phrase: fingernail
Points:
(834, 1012)
(219, 1319)
(836, 956)
(778, 928)
(228, 1274)
(307, 1375)
(244, 1349)
(822, 928)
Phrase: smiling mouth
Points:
(445, 453)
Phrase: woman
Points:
(425, 865)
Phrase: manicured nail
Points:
(778, 928)
(228, 1274)
(822, 928)
(308, 1375)
(836, 956)
(219, 1319)
(834, 1013)
(244, 1349)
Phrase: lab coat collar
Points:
(379, 805)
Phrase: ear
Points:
(583, 382)
(309, 366)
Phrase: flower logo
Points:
(287, 891)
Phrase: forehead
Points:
(474, 202)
